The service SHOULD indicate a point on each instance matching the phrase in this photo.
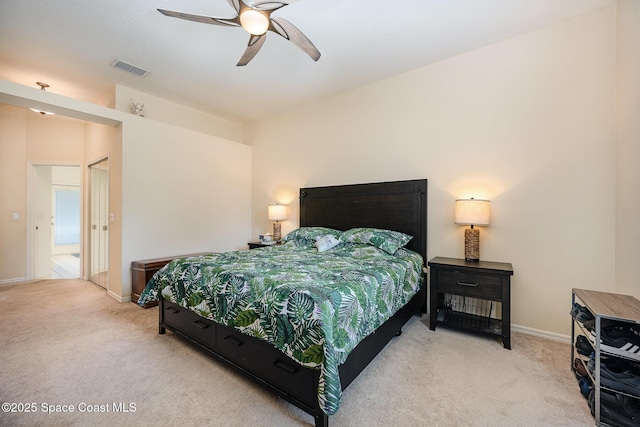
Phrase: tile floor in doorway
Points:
(65, 267)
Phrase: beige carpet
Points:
(65, 342)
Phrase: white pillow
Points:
(327, 242)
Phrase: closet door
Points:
(99, 220)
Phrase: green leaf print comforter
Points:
(313, 306)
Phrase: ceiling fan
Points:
(255, 18)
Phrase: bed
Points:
(255, 310)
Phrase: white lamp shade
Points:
(472, 212)
(254, 22)
(277, 212)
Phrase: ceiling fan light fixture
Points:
(255, 18)
(254, 22)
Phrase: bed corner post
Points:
(161, 328)
(322, 419)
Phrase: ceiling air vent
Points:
(124, 66)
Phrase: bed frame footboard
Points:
(272, 369)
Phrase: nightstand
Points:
(472, 289)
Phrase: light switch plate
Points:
(15, 216)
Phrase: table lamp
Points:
(472, 212)
(277, 213)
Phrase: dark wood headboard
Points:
(399, 206)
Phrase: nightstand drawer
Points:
(483, 286)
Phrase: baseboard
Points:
(118, 297)
(544, 334)
(12, 281)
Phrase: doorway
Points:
(56, 221)
(99, 220)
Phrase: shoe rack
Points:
(606, 308)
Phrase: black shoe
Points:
(580, 313)
(604, 323)
(616, 409)
(575, 308)
(583, 345)
(585, 386)
(623, 340)
(621, 375)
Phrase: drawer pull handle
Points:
(233, 340)
(470, 285)
(285, 367)
(172, 310)
(200, 324)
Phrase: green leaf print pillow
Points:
(387, 240)
(311, 233)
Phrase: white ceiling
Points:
(69, 44)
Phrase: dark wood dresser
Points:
(143, 270)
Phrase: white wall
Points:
(182, 192)
(528, 123)
(13, 194)
(628, 154)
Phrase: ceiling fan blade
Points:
(227, 22)
(234, 4)
(255, 43)
(287, 30)
(270, 5)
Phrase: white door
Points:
(99, 223)
(41, 222)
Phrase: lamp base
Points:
(277, 231)
(472, 244)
